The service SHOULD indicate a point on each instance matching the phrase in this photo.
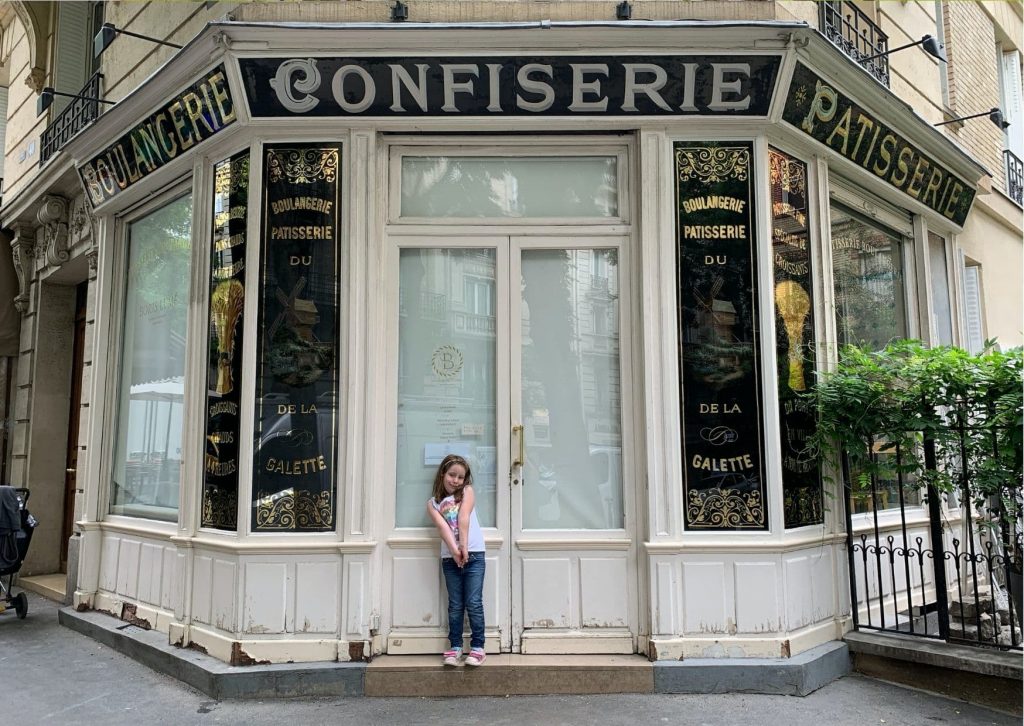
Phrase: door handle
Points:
(71, 471)
(517, 431)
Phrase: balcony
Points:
(855, 34)
(76, 116)
(1014, 177)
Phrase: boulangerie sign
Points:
(670, 85)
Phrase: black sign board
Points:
(818, 109)
(224, 370)
(192, 116)
(794, 337)
(723, 461)
(297, 351)
(729, 85)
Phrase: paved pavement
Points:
(51, 675)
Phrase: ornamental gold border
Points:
(724, 509)
(220, 508)
(293, 510)
(712, 164)
(302, 166)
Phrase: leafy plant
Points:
(879, 408)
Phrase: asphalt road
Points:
(52, 675)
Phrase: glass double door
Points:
(511, 354)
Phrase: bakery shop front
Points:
(600, 261)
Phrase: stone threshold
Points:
(52, 587)
(501, 674)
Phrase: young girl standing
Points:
(462, 556)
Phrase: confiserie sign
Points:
(511, 86)
(192, 116)
(816, 108)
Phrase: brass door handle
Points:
(518, 431)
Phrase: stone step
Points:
(504, 674)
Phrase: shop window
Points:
(795, 337)
(150, 398)
(868, 274)
(509, 187)
(941, 312)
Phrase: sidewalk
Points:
(53, 675)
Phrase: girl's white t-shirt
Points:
(448, 508)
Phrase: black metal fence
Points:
(934, 535)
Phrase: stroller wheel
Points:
(21, 605)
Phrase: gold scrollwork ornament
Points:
(711, 164)
(295, 510)
(302, 166)
(724, 508)
(220, 508)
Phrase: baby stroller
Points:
(16, 525)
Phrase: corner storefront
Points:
(601, 261)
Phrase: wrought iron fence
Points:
(1014, 177)
(948, 567)
(78, 114)
(855, 34)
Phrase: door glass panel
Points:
(570, 390)
(497, 187)
(446, 375)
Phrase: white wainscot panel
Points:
(665, 598)
(128, 568)
(547, 593)
(757, 597)
(417, 592)
(704, 598)
(202, 588)
(151, 567)
(316, 597)
(604, 592)
(265, 607)
(225, 589)
(171, 582)
(822, 585)
(492, 590)
(798, 590)
(108, 565)
(356, 593)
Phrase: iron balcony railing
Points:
(855, 34)
(78, 114)
(1014, 177)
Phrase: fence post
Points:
(938, 545)
(851, 560)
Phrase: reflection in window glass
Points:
(496, 187)
(446, 379)
(867, 269)
(147, 448)
(941, 312)
(572, 476)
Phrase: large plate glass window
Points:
(868, 273)
(151, 392)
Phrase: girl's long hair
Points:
(447, 463)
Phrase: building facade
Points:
(314, 249)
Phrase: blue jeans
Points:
(465, 595)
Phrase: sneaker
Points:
(476, 657)
(451, 657)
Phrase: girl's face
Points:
(454, 478)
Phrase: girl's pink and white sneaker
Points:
(451, 657)
(476, 657)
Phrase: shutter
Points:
(71, 62)
(972, 309)
(1012, 103)
(3, 127)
